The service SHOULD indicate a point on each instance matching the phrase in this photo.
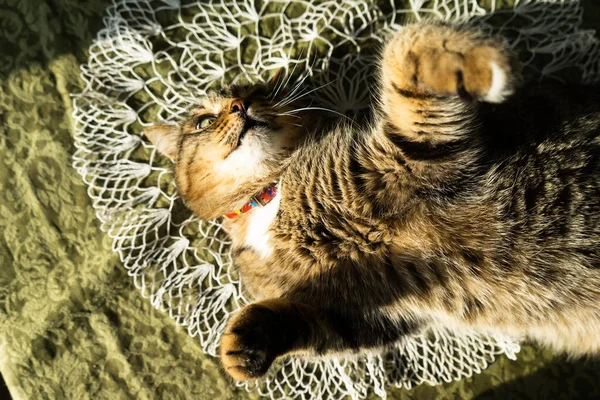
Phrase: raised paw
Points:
(252, 340)
(441, 59)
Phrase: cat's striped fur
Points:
(448, 210)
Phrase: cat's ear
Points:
(165, 138)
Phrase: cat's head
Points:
(231, 145)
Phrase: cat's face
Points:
(229, 146)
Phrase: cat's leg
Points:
(263, 331)
(258, 334)
(433, 76)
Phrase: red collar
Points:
(258, 200)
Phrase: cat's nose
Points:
(237, 107)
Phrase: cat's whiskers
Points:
(301, 95)
(288, 115)
(278, 86)
(298, 85)
(289, 76)
(292, 92)
(318, 109)
(288, 98)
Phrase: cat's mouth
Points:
(249, 125)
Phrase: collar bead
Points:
(259, 200)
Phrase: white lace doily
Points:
(150, 62)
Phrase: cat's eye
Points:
(204, 121)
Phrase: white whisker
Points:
(305, 94)
(278, 86)
(318, 108)
(288, 115)
(294, 69)
(292, 92)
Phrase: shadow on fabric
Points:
(561, 379)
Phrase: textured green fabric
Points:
(72, 325)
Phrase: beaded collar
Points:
(259, 200)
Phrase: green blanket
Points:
(72, 325)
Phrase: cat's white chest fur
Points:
(260, 220)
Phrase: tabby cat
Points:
(471, 200)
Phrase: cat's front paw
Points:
(251, 342)
(441, 59)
